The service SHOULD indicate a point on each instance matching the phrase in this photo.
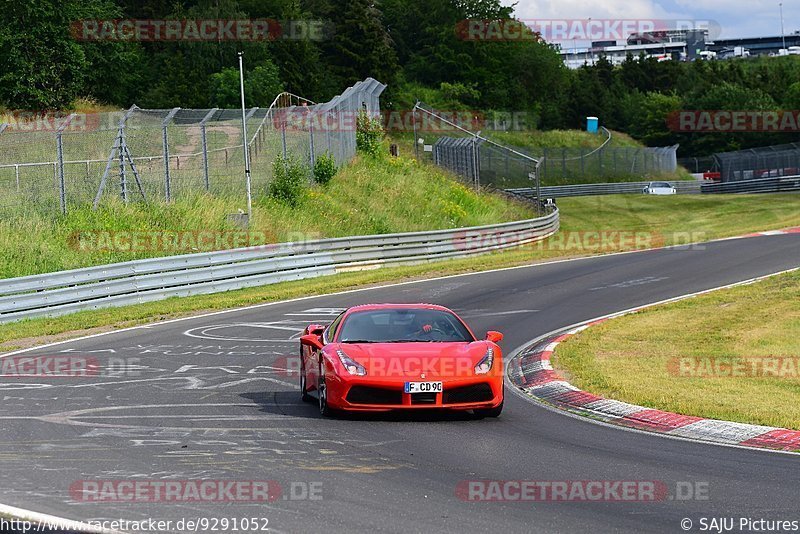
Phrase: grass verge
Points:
(368, 196)
(667, 220)
(732, 354)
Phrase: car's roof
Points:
(387, 306)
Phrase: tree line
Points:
(415, 46)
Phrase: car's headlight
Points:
(485, 365)
(352, 366)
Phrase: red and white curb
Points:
(532, 372)
(794, 230)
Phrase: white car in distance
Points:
(659, 188)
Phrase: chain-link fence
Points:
(563, 166)
(477, 159)
(53, 164)
(756, 163)
(699, 165)
(485, 162)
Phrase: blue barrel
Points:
(591, 124)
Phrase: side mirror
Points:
(311, 340)
(315, 329)
(494, 337)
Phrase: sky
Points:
(736, 18)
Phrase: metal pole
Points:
(475, 162)
(205, 156)
(538, 184)
(783, 35)
(244, 142)
(165, 145)
(328, 136)
(311, 140)
(283, 136)
(62, 186)
(205, 146)
(61, 183)
(165, 141)
(414, 125)
(123, 179)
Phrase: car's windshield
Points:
(660, 184)
(403, 325)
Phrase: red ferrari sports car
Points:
(381, 357)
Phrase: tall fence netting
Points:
(51, 164)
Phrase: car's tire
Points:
(303, 386)
(489, 412)
(322, 394)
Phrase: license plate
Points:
(423, 387)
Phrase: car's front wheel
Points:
(322, 393)
(489, 412)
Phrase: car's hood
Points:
(413, 360)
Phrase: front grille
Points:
(423, 398)
(370, 395)
(473, 393)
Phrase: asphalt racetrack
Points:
(211, 398)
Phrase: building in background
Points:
(677, 45)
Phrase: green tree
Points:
(42, 66)
(791, 99)
(653, 112)
(225, 89)
(263, 84)
(360, 46)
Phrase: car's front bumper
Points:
(362, 394)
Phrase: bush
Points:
(324, 169)
(369, 134)
(288, 181)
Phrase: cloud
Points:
(737, 18)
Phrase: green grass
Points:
(368, 196)
(702, 217)
(675, 357)
(538, 139)
(661, 220)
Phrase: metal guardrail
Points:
(761, 185)
(619, 188)
(195, 274)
